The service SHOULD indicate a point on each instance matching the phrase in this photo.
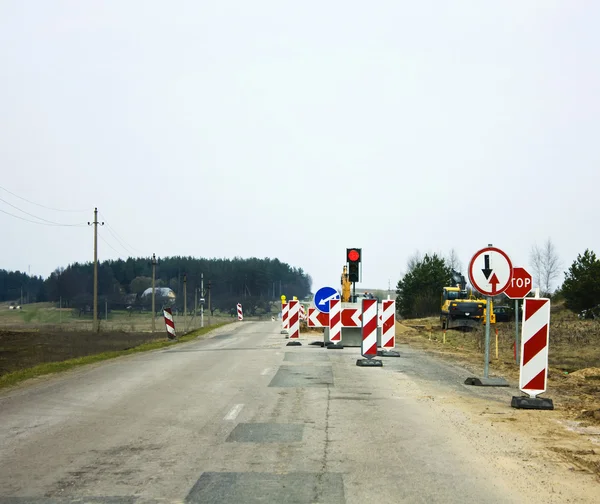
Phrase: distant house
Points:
(163, 292)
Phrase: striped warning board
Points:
(335, 321)
(369, 328)
(317, 318)
(534, 346)
(240, 312)
(388, 329)
(169, 323)
(285, 312)
(294, 319)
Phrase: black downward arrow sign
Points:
(487, 271)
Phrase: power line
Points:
(126, 245)
(38, 204)
(127, 251)
(40, 223)
(100, 236)
(35, 216)
(118, 241)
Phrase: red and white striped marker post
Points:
(534, 354)
(368, 348)
(335, 323)
(285, 312)
(302, 312)
(169, 323)
(388, 329)
(240, 312)
(294, 322)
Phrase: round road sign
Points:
(490, 271)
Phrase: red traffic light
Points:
(353, 255)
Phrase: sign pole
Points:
(490, 273)
(486, 367)
(518, 350)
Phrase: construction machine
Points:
(461, 309)
(346, 285)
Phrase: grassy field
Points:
(28, 355)
(41, 338)
(48, 317)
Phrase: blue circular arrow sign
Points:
(322, 297)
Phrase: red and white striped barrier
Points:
(285, 312)
(302, 312)
(317, 318)
(294, 319)
(388, 328)
(534, 346)
(169, 323)
(351, 317)
(335, 321)
(240, 312)
(368, 346)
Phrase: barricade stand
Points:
(533, 376)
(294, 323)
(368, 347)
(388, 330)
(335, 324)
(285, 311)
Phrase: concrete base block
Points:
(335, 346)
(317, 343)
(369, 363)
(388, 353)
(294, 343)
(524, 402)
(487, 382)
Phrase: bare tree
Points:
(453, 261)
(413, 261)
(546, 265)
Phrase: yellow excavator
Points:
(460, 309)
(346, 286)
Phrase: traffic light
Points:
(354, 256)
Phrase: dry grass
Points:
(574, 356)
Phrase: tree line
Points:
(418, 292)
(253, 282)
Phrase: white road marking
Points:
(235, 411)
(265, 371)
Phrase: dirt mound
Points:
(591, 373)
(404, 329)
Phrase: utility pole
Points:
(95, 224)
(185, 301)
(195, 306)
(202, 304)
(153, 289)
(209, 306)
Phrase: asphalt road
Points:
(241, 418)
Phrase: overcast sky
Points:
(297, 129)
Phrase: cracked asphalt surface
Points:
(241, 418)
